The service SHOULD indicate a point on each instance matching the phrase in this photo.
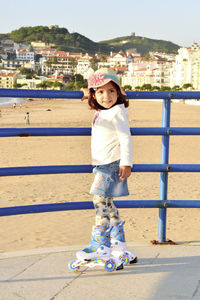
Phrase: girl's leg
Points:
(114, 213)
(102, 211)
(100, 236)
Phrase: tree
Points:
(155, 87)
(147, 57)
(94, 62)
(138, 88)
(29, 76)
(78, 77)
(103, 58)
(176, 88)
(48, 62)
(58, 84)
(17, 85)
(25, 71)
(147, 87)
(187, 86)
(165, 88)
(37, 57)
(73, 62)
(44, 84)
(70, 86)
(127, 87)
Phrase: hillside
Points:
(142, 44)
(76, 42)
(61, 37)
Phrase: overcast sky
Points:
(177, 21)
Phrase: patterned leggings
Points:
(106, 211)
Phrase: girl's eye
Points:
(99, 92)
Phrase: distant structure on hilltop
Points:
(132, 34)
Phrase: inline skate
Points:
(118, 245)
(98, 253)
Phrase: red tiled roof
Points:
(143, 69)
(7, 74)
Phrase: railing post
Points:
(164, 175)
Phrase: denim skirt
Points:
(107, 182)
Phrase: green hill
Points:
(76, 42)
(142, 44)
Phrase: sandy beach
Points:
(73, 227)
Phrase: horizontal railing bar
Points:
(86, 131)
(25, 93)
(52, 207)
(46, 131)
(163, 95)
(165, 130)
(62, 169)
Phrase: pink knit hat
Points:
(103, 76)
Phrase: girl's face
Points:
(106, 95)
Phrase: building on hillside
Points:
(28, 83)
(14, 64)
(60, 77)
(21, 46)
(117, 59)
(10, 64)
(153, 73)
(40, 44)
(24, 54)
(7, 43)
(60, 61)
(87, 73)
(83, 64)
(186, 68)
(7, 79)
(78, 55)
(45, 51)
(132, 53)
(162, 56)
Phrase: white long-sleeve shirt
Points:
(111, 137)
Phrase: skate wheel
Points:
(134, 261)
(110, 265)
(72, 266)
(124, 259)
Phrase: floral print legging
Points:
(106, 211)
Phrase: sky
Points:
(177, 21)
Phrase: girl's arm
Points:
(121, 124)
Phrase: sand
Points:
(73, 227)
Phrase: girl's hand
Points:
(124, 172)
(85, 93)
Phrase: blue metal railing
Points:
(164, 168)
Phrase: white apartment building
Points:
(186, 68)
(45, 51)
(60, 61)
(118, 59)
(83, 64)
(24, 54)
(7, 79)
(28, 83)
(10, 64)
(148, 72)
(39, 44)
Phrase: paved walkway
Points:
(162, 273)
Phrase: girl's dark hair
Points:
(122, 99)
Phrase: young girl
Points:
(112, 157)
